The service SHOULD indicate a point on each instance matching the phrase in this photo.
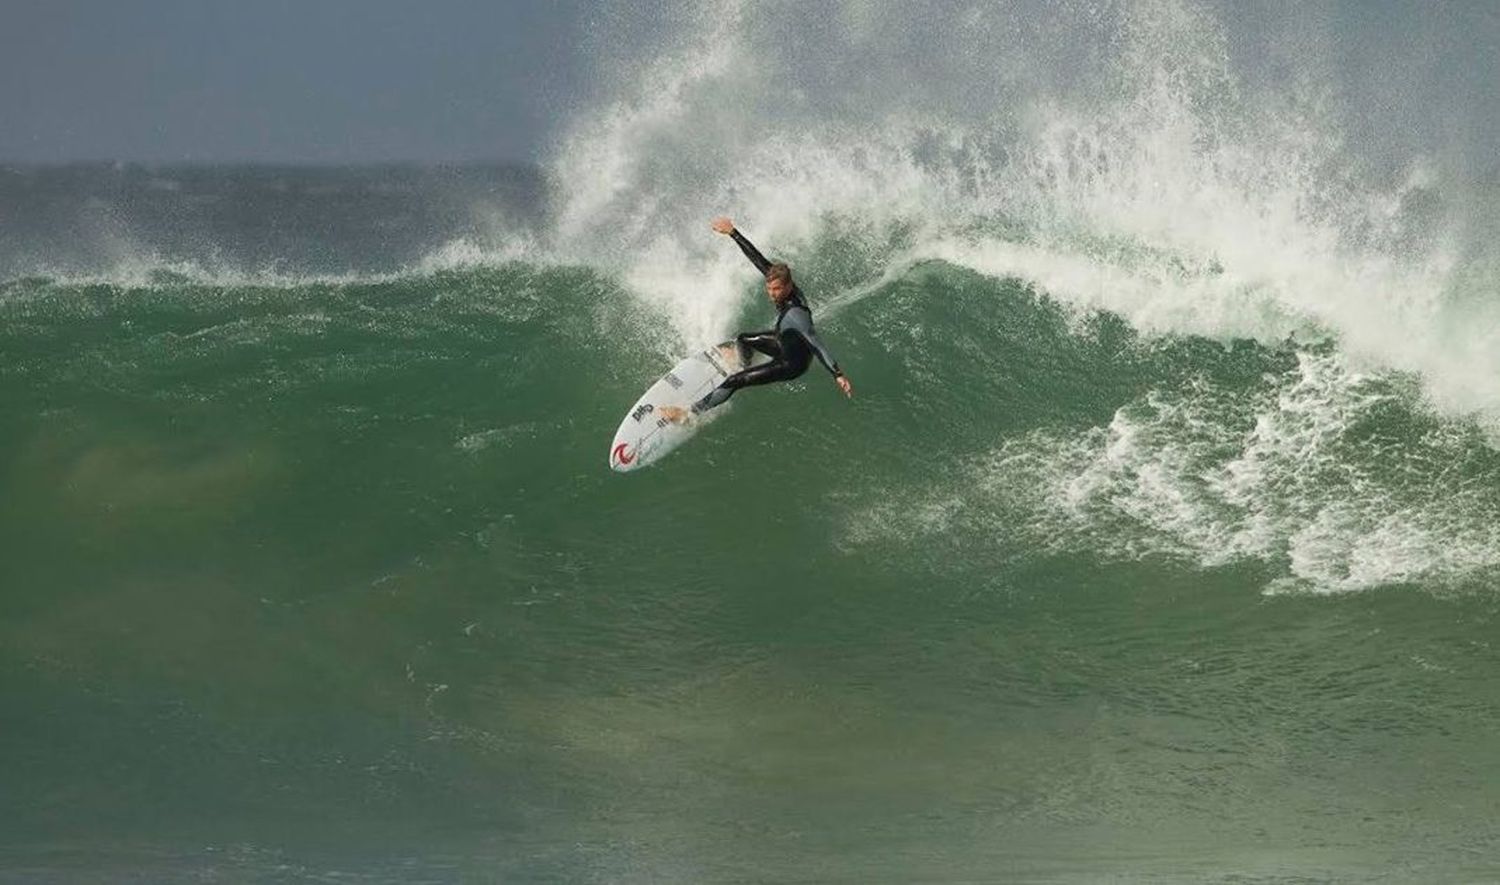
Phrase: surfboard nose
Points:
(661, 419)
(622, 457)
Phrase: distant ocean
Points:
(1160, 541)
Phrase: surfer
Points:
(791, 343)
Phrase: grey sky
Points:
(281, 80)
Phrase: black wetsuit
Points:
(791, 343)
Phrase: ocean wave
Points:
(1330, 479)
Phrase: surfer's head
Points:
(779, 282)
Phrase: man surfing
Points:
(791, 343)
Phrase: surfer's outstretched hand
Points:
(843, 382)
(723, 225)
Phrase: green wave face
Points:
(281, 554)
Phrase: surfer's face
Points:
(777, 289)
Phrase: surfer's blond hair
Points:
(779, 271)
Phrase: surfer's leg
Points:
(716, 397)
(767, 373)
(766, 342)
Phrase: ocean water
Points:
(1160, 541)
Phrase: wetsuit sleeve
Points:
(752, 253)
(824, 356)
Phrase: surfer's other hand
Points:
(723, 225)
(843, 382)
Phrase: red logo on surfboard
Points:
(621, 456)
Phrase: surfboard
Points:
(645, 435)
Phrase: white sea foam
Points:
(144, 269)
(1295, 474)
(1132, 172)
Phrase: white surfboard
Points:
(645, 436)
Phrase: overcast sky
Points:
(327, 81)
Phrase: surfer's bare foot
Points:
(675, 414)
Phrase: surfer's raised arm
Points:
(726, 227)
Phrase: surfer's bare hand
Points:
(844, 385)
(723, 226)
